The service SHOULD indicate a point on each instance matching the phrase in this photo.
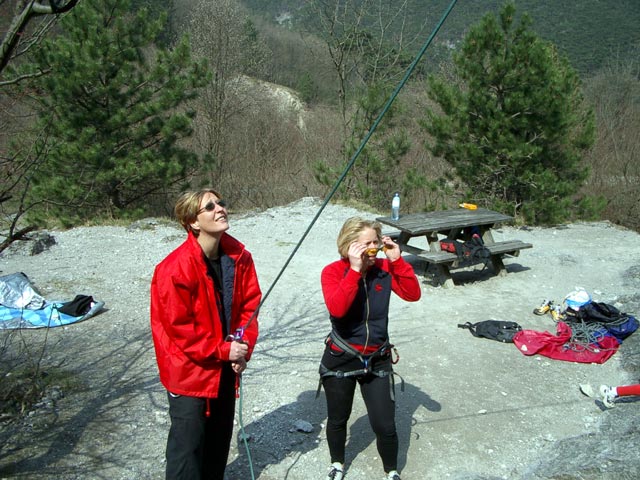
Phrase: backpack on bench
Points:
(471, 250)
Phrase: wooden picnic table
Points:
(458, 224)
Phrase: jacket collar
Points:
(230, 246)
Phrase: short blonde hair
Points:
(352, 229)
(187, 206)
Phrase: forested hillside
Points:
(280, 94)
(588, 31)
(600, 39)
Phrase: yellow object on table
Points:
(469, 206)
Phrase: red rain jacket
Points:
(558, 347)
(185, 319)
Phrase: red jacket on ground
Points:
(187, 329)
(559, 347)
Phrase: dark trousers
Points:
(376, 393)
(198, 446)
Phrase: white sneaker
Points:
(335, 471)
(604, 393)
(392, 475)
(608, 396)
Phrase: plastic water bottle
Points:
(395, 206)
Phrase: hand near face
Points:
(391, 249)
(356, 254)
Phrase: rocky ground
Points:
(471, 408)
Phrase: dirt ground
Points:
(470, 406)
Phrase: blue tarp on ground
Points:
(22, 307)
(47, 316)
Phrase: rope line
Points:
(341, 178)
(355, 156)
(243, 435)
(585, 337)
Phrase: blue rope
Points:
(355, 156)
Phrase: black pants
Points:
(376, 393)
(198, 446)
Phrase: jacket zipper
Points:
(366, 321)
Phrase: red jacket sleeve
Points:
(340, 284)
(404, 281)
(339, 287)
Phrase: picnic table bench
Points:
(458, 224)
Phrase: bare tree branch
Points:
(25, 11)
(26, 76)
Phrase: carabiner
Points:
(236, 336)
(395, 350)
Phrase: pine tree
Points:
(515, 124)
(113, 111)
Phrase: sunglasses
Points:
(374, 250)
(211, 206)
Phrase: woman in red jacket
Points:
(202, 293)
(357, 289)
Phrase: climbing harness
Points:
(368, 363)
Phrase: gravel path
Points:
(471, 408)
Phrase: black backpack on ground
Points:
(595, 312)
(502, 331)
(599, 314)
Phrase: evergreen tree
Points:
(113, 111)
(515, 125)
(368, 61)
(307, 88)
